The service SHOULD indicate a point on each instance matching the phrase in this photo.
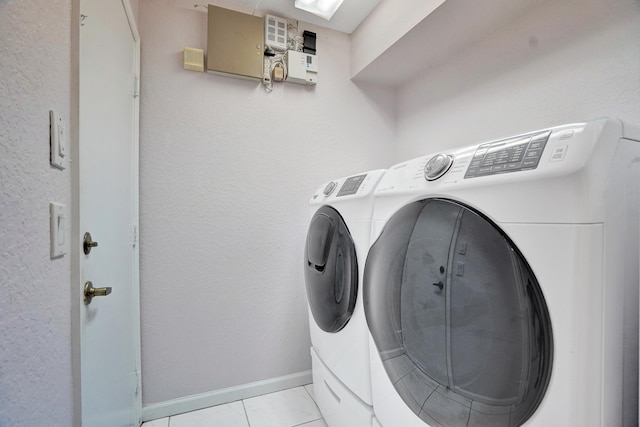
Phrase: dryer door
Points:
(331, 270)
(458, 317)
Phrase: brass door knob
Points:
(88, 243)
(90, 292)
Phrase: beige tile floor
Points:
(293, 407)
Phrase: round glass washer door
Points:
(330, 270)
(458, 318)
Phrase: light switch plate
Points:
(58, 223)
(57, 140)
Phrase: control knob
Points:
(330, 188)
(437, 166)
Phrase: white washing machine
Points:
(502, 285)
(338, 240)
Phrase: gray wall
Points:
(35, 294)
(226, 173)
(564, 61)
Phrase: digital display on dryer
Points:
(351, 185)
(511, 155)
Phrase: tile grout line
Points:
(313, 399)
(246, 414)
(314, 402)
(307, 422)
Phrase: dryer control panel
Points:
(351, 185)
(348, 188)
(510, 155)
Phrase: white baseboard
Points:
(218, 397)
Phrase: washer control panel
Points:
(351, 185)
(510, 155)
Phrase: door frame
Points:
(76, 253)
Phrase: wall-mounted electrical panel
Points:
(235, 43)
(275, 32)
(302, 68)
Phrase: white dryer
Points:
(337, 243)
(502, 285)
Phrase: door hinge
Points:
(135, 382)
(136, 86)
(138, 382)
(134, 233)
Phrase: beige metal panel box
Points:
(235, 43)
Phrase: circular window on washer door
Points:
(458, 318)
(330, 270)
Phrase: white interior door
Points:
(108, 210)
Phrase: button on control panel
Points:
(511, 155)
(437, 166)
(351, 185)
(558, 153)
(329, 188)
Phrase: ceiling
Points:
(350, 14)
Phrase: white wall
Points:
(35, 349)
(563, 61)
(384, 26)
(226, 174)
